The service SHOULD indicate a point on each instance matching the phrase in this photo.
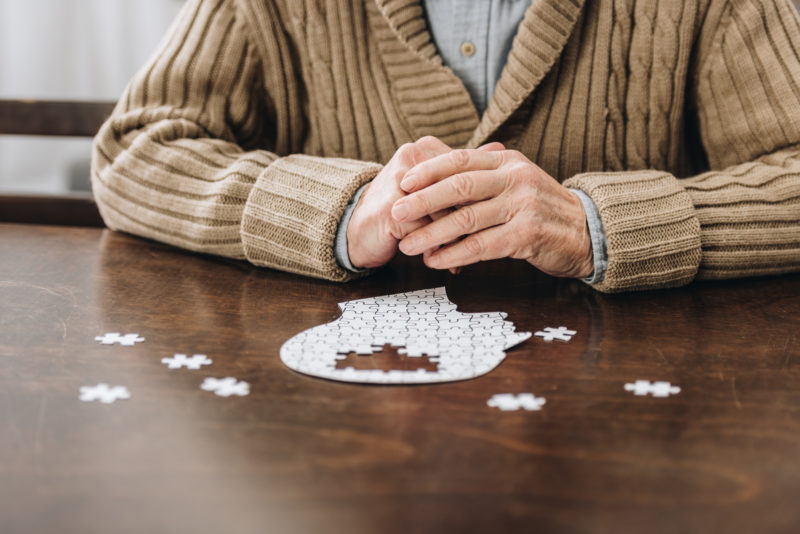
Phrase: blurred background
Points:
(69, 50)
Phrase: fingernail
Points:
(400, 211)
(433, 261)
(408, 183)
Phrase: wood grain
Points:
(306, 455)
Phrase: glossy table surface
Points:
(301, 454)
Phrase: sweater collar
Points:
(407, 19)
(540, 39)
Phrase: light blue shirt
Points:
(486, 28)
(473, 39)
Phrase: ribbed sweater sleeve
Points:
(743, 217)
(189, 156)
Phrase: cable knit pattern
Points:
(256, 120)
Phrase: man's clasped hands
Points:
(458, 207)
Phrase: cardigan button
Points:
(467, 49)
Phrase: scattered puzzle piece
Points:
(104, 393)
(656, 389)
(510, 402)
(561, 333)
(128, 340)
(181, 360)
(225, 387)
(418, 323)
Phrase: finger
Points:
(401, 229)
(494, 146)
(426, 255)
(411, 154)
(445, 165)
(463, 221)
(439, 214)
(432, 143)
(489, 244)
(431, 147)
(488, 147)
(457, 190)
(435, 217)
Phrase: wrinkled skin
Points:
(373, 234)
(459, 207)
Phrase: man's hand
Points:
(506, 206)
(373, 234)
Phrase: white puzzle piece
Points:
(181, 360)
(510, 402)
(225, 387)
(128, 340)
(104, 393)
(656, 389)
(562, 333)
(418, 323)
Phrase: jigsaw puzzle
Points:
(508, 402)
(656, 389)
(225, 387)
(562, 333)
(104, 393)
(418, 323)
(128, 340)
(181, 360)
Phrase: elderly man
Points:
(630, 144)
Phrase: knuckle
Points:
(428, 140)
(474, 245)
(460, 158)
(465, 218)
(507, 212)
(514, 155)
(405, 147)
(412, 154)
(405, 150)
(463, 187)
(517, 169)
(420, 203)
(432, 142)
(517, 174)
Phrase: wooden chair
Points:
(51, 118)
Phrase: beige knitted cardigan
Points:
(256, 120)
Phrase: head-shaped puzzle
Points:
(419, 323)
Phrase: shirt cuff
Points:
(340, 243)
(598, 236)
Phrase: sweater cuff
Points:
(652, 232)
(293, 212)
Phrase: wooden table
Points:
(306, 455)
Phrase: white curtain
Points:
(69, 49)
